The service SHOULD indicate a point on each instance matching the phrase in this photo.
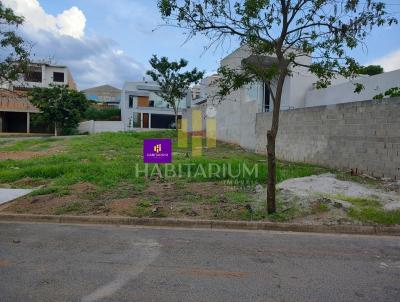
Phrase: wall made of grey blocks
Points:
(363, 136)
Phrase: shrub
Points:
(102, 114)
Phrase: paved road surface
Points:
(46, 262)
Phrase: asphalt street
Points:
(53, 262)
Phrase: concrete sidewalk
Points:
(7, 195)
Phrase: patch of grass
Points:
(147, 211)
(359, 179)
(284, 215)
(144, 204)
(38, 144)
(238, 197)
(287, 170)
(140, 212)
(76, 207)
(319, 208)
(144, 209)
(50, 190)
(360, 201)
(107, 159)
(375, 215)
(252, 215)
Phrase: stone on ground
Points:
(7, 195)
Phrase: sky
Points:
(110, 42)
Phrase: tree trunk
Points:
(271, 201)
(271, 139)
(55, 129)
(176, 119)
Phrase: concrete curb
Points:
(206, 224)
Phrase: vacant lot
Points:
(104, 174)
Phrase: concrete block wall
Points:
(93, 127)
(363, 136)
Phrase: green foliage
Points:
(15, 55)
(371, 70)
(375, 215)
(391, 93)
(173, 82)
(281, 35)
(287, 30)
(379, 96)
(360, 201)
(102, 114)
(60, 106)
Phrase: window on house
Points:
(58, 77)
(151, 103)
(130, 101)
(251, 92)
(267, 99)
(34, 74)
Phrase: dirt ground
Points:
(321, 199)
(160, 199)
(19, 155)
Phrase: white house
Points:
(141, 107)
(236, 113)
(43, 75)
(344, 92)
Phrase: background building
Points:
(105, 94)
(236, 113)
(43, 75)
(15, 108)
(141, 107)
(15, 111)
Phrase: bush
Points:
(102, 114)
(391, 93)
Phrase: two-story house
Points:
(142, 107)
(15, 108)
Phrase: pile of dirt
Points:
(307, 188)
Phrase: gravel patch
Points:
(329, 185)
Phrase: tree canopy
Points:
(313, 35)
(60, 106)
(13, 51)
(371, 70)
(322, 30)
(173, 81)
